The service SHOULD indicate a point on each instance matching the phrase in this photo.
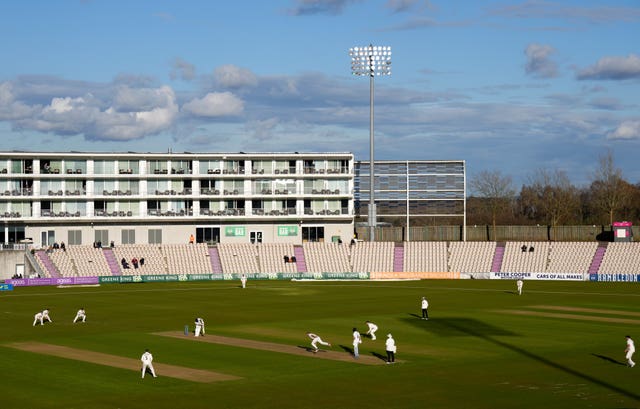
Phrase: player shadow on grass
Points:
(346, 349)
(467, 327)
(606, 358)
(380, 356)
(310, 349)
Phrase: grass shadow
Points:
(379, 356)
(346, 349)
(455, 325)
(606, 358)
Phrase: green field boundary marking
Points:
(274, 347)
(162, 370)
(577, 317)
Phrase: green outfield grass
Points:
(483, 347)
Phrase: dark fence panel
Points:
(487, 233)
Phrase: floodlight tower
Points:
(371, 61)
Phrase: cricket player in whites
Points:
(80, 315)
(199, 327)
(45, 315)
(147, 362)
(315, 339)
(243, 280)
(372, 330)
(629, 351)
(37, 317)
(357, 340)
(519, 284)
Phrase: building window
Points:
(74, 237)
(102, 237)
(315, 233)
(155, 236)
(128, 236)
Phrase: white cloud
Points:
(61, 105)
(128, 99)
(626, 130)
(612, 68)
(231, 76)
(215, 104)
(538, 62)
(131, 114)
(10, 109)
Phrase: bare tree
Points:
(610, 192)
(496, 190)
(550, 197)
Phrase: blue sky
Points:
(509, 85)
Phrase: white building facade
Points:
(154, 198)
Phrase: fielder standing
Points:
(357, 340)
(243, 280)
(147, 363)
(199, 326)
(629, 351)
(80, 315)
(315, 339)
(519, 284)
(372, 330)
(424, 304)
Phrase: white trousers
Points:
(150, 366)
(83, 316)
(198, 330)
(318, 341)
(628, 357)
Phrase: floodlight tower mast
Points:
(371, 61)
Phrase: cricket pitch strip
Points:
(273, 347)
(163, 370)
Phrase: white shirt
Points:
(80, 312)
(45, 313)
(372, 326)
(519, 283)
(38, 316)
(391, 344)
(425, 304)
(147, 358)
(631, 347)
(311, 335)
(199, 321)
(356, 338)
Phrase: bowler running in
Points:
(315, 340)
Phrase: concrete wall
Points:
(11, 262)
(179, 233)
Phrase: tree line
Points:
(549, 198)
